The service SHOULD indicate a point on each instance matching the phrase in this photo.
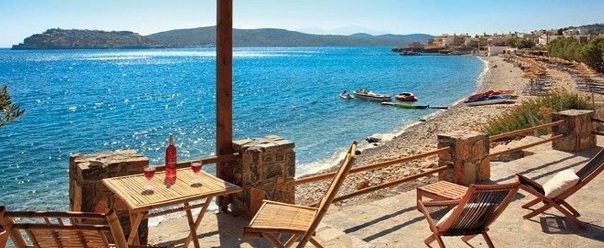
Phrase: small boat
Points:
(481, 95)
(406, 97)
(370, 95)
(495, 99)
(345, 95)
(406, 105)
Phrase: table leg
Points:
(135, 221)
(194, 225)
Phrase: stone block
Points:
(268, 166)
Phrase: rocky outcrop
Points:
(85, 39)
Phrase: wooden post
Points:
(224, 92)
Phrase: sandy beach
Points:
(422, 137)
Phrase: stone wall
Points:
(87, 193)
(577, 130)
(265, 171)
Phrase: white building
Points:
(496, 50)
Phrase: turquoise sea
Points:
(97, 100)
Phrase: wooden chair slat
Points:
(42, 231)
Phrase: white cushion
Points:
(561, 182)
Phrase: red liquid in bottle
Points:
(171, 160)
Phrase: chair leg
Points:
(531, 203)
(436, 237)
(537, 211)
(569, 215)
(291, 240)
(315, 242)
(487, 239)
(571, 209)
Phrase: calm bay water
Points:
(98, 100)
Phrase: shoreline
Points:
(421, 136)
(328, 164)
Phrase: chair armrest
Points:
(440, 203)
(527, 182)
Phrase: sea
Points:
(86, 101)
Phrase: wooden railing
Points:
(378, 165)
(525, 131)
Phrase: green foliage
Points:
(525, 44)
(591, 53)
(536, 112)
(8, 110)
(513, 41)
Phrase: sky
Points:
(20, 19)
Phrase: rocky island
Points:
(85, 39)
(204, 37)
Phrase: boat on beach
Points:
(406, 97)
(494, 99)
(405, 105)
(483, 95)
(371, 96)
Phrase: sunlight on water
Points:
(97, 100)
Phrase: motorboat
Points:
(371, 96)
(406, 97)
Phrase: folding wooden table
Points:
(166, 199)
(441, 190)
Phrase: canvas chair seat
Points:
(469, 216)
(275, 218)
(586, 173)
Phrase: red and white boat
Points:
(406, 97)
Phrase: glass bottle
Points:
(171, 160)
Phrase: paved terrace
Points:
(395, 222)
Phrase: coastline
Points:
(328, 164)
(420, 136)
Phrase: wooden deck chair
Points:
(586, 173)
(3, 238)
(469, 216)
(299, 221)
(57, 229)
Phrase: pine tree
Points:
(8, 111)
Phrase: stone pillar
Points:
(577, 130)
(265, 171)
(87, 193)
(467, 159)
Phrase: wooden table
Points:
(177, 197)
(441, 190)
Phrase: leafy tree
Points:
(525, 44)
(8, 110)
(593, 53)
(560, 31)
(513, 41)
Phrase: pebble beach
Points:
(422, 136)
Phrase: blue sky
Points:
(20, 19)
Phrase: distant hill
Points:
(205, 36)
(85, 39)
(268, 37)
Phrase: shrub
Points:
(536, 112)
